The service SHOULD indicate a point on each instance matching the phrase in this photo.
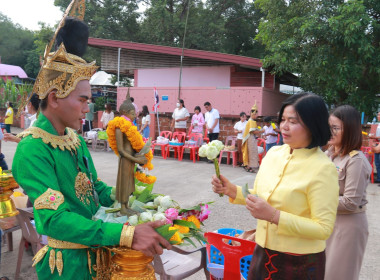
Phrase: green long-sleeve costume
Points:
(39, 165)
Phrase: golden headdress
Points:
(254, 107)
(61, 71)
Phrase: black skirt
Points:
(267, 264)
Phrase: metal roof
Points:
(146, 56)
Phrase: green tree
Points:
(15, 42)
(229, 26)
(333, 45)
(41, 38)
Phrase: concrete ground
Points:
(189, 184)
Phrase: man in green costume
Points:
(54, 167)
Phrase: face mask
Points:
(178, 105)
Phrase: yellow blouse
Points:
(303, 185)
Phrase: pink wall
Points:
(216, 76)
(229, 102)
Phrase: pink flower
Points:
(168, 221)
(203, 215)
(171, 214)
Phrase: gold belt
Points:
(58, 244)
(55, 258)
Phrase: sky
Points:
(28, 13)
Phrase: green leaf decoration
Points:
(185, 224)
(165, 232)
(245, 190)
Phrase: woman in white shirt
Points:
(239, 128)
(107, 116)
(145, 131)
(180, 117)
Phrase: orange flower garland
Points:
(136, 141)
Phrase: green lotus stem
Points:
(217, 171)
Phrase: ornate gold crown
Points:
(61, 71)
(254, 107)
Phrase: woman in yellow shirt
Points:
(295, 195)
(8, 117)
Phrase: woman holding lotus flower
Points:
(295, 195)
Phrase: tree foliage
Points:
(15, 42)
(333, 45)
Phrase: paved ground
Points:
(189, 183)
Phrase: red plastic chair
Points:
(230, 141)
(206, 139)
(232, 254)
(261, 143)
(181, 136)
(367, 151)
(198, 138)
(166, 134)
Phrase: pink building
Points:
(231, 83)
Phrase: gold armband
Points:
(50, 199)
(126, 236)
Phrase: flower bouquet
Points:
(211, 151)
(182, 225)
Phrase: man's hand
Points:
(148, 241)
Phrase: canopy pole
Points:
(183, 48)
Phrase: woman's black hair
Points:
(351, 130)
(145, 111)
(197, 108)
(313, 112)
(242, 114)
(10, 104)
(35, 101)
(182, 102)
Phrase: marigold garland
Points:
(143, 178)
(136, 141)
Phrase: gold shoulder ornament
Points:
(70, 141)
(50, 199)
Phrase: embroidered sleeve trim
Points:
(50, 199)
(70, 141)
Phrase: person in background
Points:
(107, 116)
(8, 119)
(239, 128)
(31, 109)
(294, 197)
(136, 110)
(197, 121)
(3, 163)
(249, 145)
(346, 245)
(90, 114)
(270, 135)
(212, 121)
(180, 117)
(145, 130)
(376, 150)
